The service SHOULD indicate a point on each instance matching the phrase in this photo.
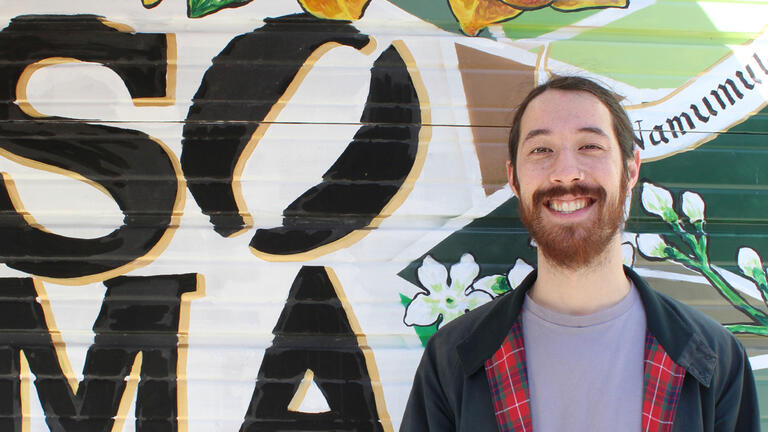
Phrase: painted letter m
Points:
(136, 334)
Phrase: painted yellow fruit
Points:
(474, 15)
(347, 10)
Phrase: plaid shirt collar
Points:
(508, 383)
(668, 326)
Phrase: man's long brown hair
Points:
(621, 124)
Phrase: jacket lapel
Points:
(663, 380)
(508, 382)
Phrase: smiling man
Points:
(583, 344)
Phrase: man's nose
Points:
(566, 169)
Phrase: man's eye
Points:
(591, 147)
(541, 150)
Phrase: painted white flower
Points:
(651, 245)
(658, 201)
(499, 283)
(693, 206)
(441, 299)
(749, 261)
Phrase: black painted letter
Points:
(314, 333)
(135, 170)
(139, 315)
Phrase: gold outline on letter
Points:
(182, 349)
(129, 393)
(59, 346)
(25, 378)
(171, 70)
(124, 28)
(362, 342)
(55, 334)
(301, 392)
(425, 134)
(22, 100)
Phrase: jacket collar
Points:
(685, 346)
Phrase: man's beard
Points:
(574, 245)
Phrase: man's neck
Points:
(583, 291)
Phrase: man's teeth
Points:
(568, 206)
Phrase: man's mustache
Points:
(597, 193)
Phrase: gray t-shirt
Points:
(585, 372)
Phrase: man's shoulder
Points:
(698, 321)
(720, 343)
(675, 319)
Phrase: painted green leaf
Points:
(501, 285)
(201, 8)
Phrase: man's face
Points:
(570, 177)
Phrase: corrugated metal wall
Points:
(232, 215)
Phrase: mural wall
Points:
(225, 215)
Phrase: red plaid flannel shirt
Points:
(508, 383)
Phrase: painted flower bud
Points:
(658, 201)
(693, 206)
(749, 261)
(651, 245)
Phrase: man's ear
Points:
(511, 178)
(633, 170)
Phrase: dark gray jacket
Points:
(450, 389)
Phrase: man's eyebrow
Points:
(536, 132)
(594, 130)
(589, 129)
